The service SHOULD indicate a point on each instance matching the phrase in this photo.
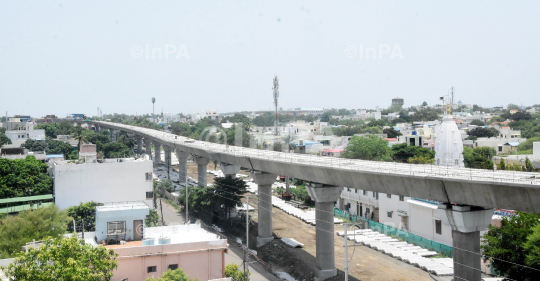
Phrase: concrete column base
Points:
(325, 274)
(263, 241)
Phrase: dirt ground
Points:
(366, 264)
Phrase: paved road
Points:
(234, 255)
(170, 214)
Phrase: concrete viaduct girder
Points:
(522, 196)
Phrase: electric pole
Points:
(247, 240)
(187, 194)
(276, 96)
(153, 111)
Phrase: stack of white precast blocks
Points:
(307, 216)
(404, 251)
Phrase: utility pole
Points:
(187, 195)
(161, 207)
(346, 252)
(247, 240)
(153, 111)
(276, 96)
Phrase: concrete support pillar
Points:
(324, 197)
(157, 152)
(139, 144)
(182, 165)
(229, 170)
(201, 170)
(168, 159)
(148, 146)
(264, 181)
(466, 223)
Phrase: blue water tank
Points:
(414, 133)
(148, 242)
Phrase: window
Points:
(148, 176)
(173, 266)
(116, 227)
(389, 196)
(355, 190)
(500, 148)
(438, 226)
(375, 194)
(389, 214)
(151, 269)
(401, 198)
(149, 195)
(365, 192)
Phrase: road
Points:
(234, 255)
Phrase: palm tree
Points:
(79, 136)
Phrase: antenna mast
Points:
(276, 96)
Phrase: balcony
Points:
(360, 198)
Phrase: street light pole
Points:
(153, 114)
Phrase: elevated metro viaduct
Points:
(473, 192)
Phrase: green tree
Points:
(79, 136)
(229, 192)
(181, 129)
(24, 177)
(368, 148)
(232, 270)
(502, 164)
(35, 145)
(512, 106)
(479, 157)
(532, 246)
(325, 117)
(58, 147)
(4, 139)
(116, 150)
(173, 275)
(64, 259)
(477, 122)
(403, 152)
(83, 211)
(424, 103)
(427, 114)
(152, 219)
(481, 132)
(505, 246)
(496, 119)
(528, 165)
(166, 185)
(16, 231)
(391, 133)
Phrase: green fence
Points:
(398, 233)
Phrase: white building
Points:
(23, 132)
(113, 180)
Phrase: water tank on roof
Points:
(164, 240)
(414, 133)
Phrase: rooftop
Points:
(119, 206)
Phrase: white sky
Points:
(71, 57)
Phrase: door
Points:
(137, 230)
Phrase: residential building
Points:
(108, 180)
(88, 153)
(17, 152)
(19, 132)
(360, 202)
(145, 252)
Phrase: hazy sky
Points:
(59, 57)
